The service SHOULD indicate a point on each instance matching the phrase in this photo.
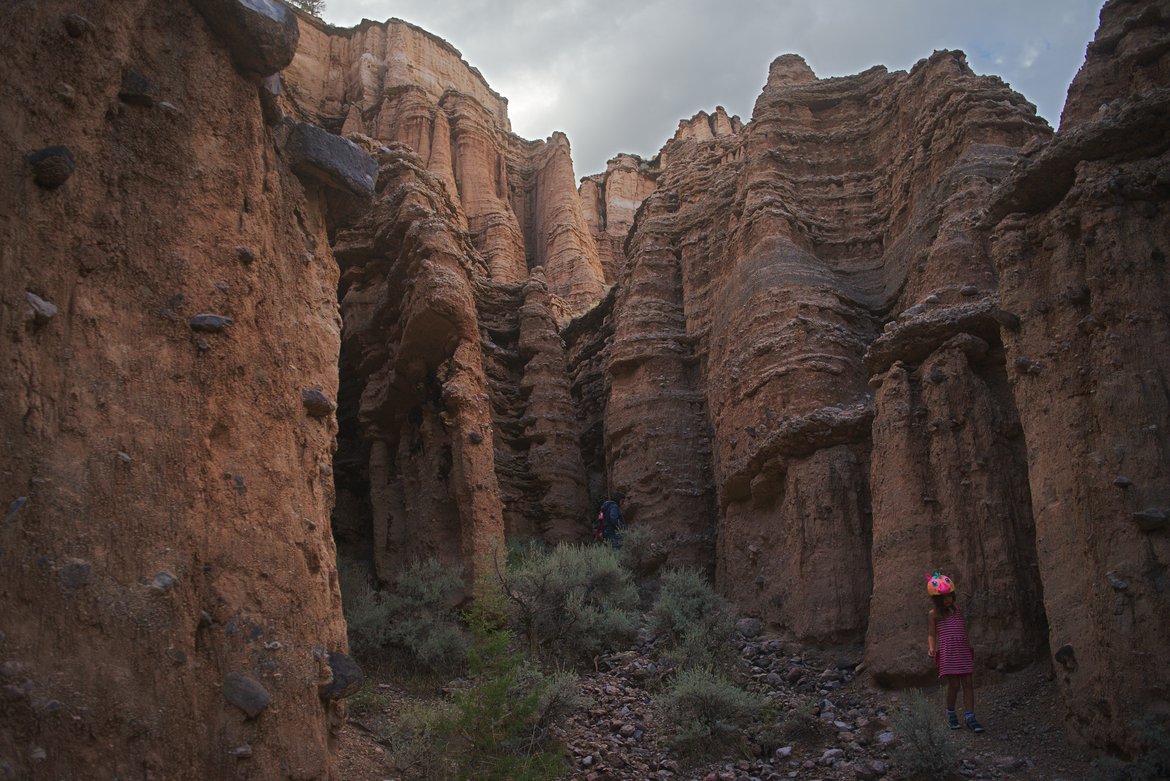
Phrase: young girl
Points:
(947, 644)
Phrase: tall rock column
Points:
(413, 334)
(1081, 247)
(550, 421)
(657, 440)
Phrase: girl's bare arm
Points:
(932, 634)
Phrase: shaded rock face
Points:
(1081, 247)
(761, 272)
(412, 339)
(174, 514)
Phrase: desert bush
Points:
(704, 713)
(693, 622)
(574, 601)
(416, 745)
(366, 616)
(1151, 761)
(422, 621)
(501, 727)
(924, 751)
(416, 618)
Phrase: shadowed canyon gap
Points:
(261, 272)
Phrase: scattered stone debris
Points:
(246, 694)
(163, 582)
(77, 25)
(52, 166)
(261, 36)
(75, 573)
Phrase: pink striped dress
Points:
(953, 655)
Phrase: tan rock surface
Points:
(166, 496)
(1080, 246)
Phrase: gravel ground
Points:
(849, 735)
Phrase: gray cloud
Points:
(617, 76)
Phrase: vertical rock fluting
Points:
(412, 332)
(792, 236)
(168, 595)
(398, 83)
(1081, 247)
(609, 202)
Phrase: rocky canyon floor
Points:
(850, 736)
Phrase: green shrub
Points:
(693, 622)
(367, 618)
(703, 713)
(924, 751)
(501, 728)
(422, 620)
(574, 601)
(367, 700)
(800, 720)
(1152, 760)
(416, 618)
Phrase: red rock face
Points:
(764, 264)
(166, 494)
(1081, 248)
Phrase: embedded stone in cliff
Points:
(75, 573)
(137, 89)
(261, 35)
(246, 694)
(52, 166)
(330, 160)
(163, 582)
(1151, 519)
(317, 404)
(209, 323)
(347, 677)
(77, 25)
(40, 311)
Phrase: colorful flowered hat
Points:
(939, 584)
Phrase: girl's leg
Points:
(968, 693)
(952, 690)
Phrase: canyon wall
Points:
(890, 325)
(1080, 247)
(169, 603)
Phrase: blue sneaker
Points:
(952, 720)
(972, 724)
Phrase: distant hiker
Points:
(948, 645)
(610, 520)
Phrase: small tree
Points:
(314, 7)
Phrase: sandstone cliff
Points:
(1081, 247)
(169, 597)
(890, 324)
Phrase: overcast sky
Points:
(618, 75)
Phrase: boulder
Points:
(335, 162)
(261, 35)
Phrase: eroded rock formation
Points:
(889, 325)
(168, 601)
(1081, 248)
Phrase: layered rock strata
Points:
(766, 262)
(395, 82)
(1081, 247)
(169, 601)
